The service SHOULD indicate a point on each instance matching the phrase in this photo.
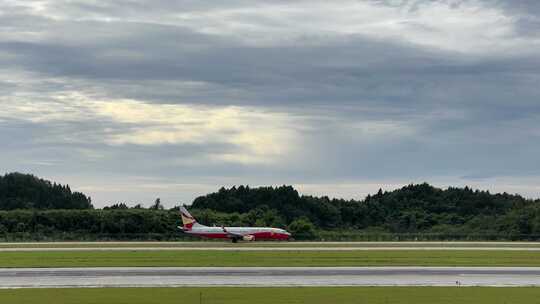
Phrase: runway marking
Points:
(280, 243)
(26, 249)
(267, 276)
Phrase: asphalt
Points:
(268, 276)
(301, 242)
(24, 249)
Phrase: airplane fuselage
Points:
(246, 233)
(190, 226)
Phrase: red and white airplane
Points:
(234, 233)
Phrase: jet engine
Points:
(248, 238)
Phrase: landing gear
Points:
(235, 240)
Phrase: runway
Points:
(268, 276)
(267, 246)
(266, 249)
(362, 243)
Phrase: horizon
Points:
(172, 100)
(172, 204)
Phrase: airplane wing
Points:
(232, 235)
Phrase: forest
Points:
(25, 191)
(35, 209)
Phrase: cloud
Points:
(456, 25)
(252, 92)
(257, 136)
(260, 136)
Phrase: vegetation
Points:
(35, 209)
(415, 211)
(188, 258)
(272, 295)
(113, 223)
(23, 191)
(411, 209)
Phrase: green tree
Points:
(302, 229)
(157, 205)
(25, 191)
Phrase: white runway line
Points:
(282, 243)
(440, 243)
(268, 276)
(37, 249)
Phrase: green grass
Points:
(269, 258)
(312, 295)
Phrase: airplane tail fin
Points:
(187, 219)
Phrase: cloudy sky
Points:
(131, 100)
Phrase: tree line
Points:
(413, 209)
(25, 191)
(47, 210)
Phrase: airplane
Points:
(192, 227)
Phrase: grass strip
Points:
(268, 258)
(240, 295)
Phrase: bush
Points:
(302, 229)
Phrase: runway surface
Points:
(267, 246)
(268, 276)
(23, 249)
(281, 243)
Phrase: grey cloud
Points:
(531, 7)
(303, 74)
(345, 70)
(467, 115)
